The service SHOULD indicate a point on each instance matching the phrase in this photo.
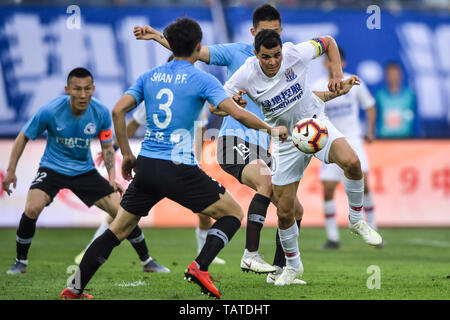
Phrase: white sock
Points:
(289, 242)
(355, 193)
(101, 229)
(249, 254)
(331, 226)
(146, 261)
(369, 209)
(201, 235)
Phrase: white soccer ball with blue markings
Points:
(310, 135)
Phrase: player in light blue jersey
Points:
(243, 152)
(71, 122)
(174, 94)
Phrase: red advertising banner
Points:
(410, 181)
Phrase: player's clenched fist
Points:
(145, 33)
(281, 132)
(128, 164)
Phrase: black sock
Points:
(280, 259)
(25, 234)
(257, 212)
(137, 240)
(93, 258)
(218, 236)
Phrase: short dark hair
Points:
(79, 72)
(268, 38)
(265, 12)
(183, 36)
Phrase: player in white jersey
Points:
(276, 81)
(343, 112)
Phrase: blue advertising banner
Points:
(40, 45)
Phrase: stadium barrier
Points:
(410, 180)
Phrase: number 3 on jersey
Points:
(165, 107)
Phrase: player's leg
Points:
(43, 189)
(36, 202)
(288, 171)
(329, 208)
(285, 196)
(136, 203)
(345, 157)
(111, 205)
(330, 175)
(279, 260)
(201, 232)
(257, 176)
(99, 251)
(248, 163)
(103, 226)
(369, 207)
(228, 215)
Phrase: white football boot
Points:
(288, 276)
(255, 263)
(370, 236)
(273, 276)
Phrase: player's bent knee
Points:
(225, 206)
(123, 224)
(33, 211)
(265, 186)
(298, 210)
(353, 167)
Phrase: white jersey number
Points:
(165, 107)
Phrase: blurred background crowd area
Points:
(400, 50)
(327, 4)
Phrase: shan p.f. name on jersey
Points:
(286, 97)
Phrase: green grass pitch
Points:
(415, 264)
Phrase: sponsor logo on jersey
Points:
(290, 75)
(284, 98)
(260, 91)
(74, 142)
(90, 129)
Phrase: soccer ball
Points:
(310, 135)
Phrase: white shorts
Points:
(291, 162)
(332, 172)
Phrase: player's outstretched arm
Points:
(108, 155)
(16, 153)
(132, 127)
(332, 51)
(149, 33)
(236, 97)
(251, 121)
(122, 107)
(371, 115)
(347, 85)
